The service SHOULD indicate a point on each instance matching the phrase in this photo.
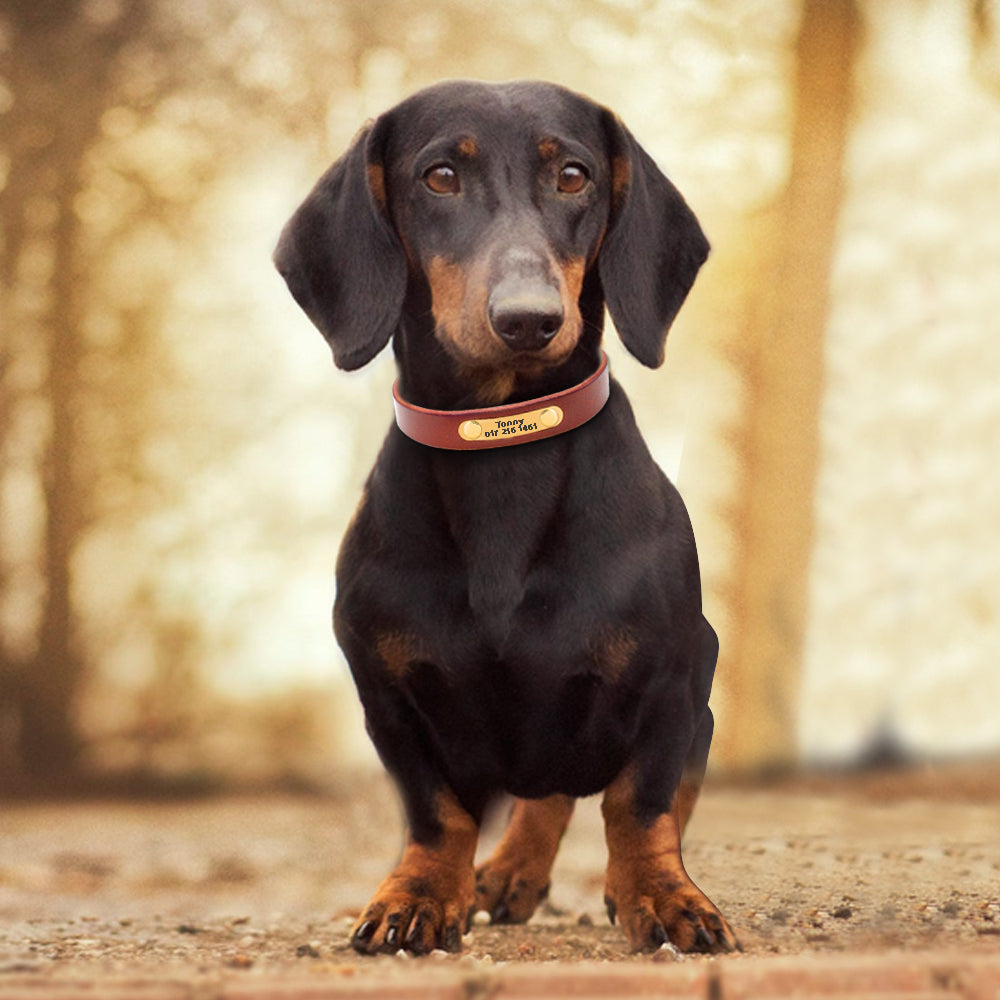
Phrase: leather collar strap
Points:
(512, 423)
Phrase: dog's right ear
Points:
(341, 257)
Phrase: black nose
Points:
(526, 316)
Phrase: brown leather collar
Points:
(511, 423)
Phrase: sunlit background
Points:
(180, 457)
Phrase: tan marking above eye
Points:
(442, 179)
(573, 178)
(548, 149)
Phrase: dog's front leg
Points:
(647, 887)
(515, 878)
(426, 901)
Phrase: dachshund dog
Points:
(518, 594)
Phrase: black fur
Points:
(646, 289)
(342, 259)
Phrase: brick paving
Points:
(944, 975)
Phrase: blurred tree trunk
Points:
(783, 369)
(986, 42)
(48, 742)
(60, 67)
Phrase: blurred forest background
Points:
(178, 456)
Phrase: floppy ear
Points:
(341, 257)
(652, 251)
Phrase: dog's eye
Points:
(573, 178)
(442, 179)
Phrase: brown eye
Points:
(573, 178)
(442, 180)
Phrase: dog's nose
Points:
(526, 316)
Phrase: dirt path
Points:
(238, 888)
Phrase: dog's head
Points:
(507, 214)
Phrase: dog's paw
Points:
(510, 891)
(654, 910)
(515, 878)
(415, 913)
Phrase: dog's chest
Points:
(503, 513)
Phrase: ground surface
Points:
(224, 893)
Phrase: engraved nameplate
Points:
(516, 425)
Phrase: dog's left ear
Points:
(652, 251)
(341, 256)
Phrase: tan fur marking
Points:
(548, 149)
(647, 886)
(686, 799)
(573, 271)
(458, 301)
(492, 386)
(468, 146)
(447, 281)
(517, 872)
(459, 296)
(613, 652)
(633, 847)
(426, 902)
(621, 178)
(398, 650)
(376, 182)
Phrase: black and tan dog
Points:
(522, 619)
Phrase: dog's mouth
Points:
(501, 361)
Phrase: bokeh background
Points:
(178, 456)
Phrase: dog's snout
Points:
(526, 315)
